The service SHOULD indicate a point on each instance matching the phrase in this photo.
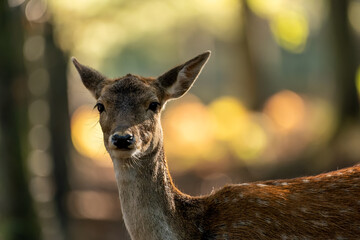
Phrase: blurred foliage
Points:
(96, 31)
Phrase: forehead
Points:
(130, 87)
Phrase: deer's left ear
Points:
(179, 80)
(92, 79)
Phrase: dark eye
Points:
(154, 106)
(100, 107)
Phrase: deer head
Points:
(130, 106)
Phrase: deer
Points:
(325, 206)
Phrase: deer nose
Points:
(123, 141)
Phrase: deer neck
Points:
(147, 197)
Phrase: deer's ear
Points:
(92, 79)
(179, 80)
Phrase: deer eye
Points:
(100, 107)
(154, 106)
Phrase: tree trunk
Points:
(253, 98)
(59, 122)
(17, 217)
(345, 61)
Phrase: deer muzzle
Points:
(123, 142)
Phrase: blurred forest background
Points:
(278, 98)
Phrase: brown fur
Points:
(326, 206)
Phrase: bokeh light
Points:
(291, 30)
(38, 82)
(40, 163)
(250, 143)
(234, 125)
(188, 132)
(196, 133)
(39, 137)
(94, 205)
(35, 10)
(34, 48)
(230, 117)
(286, 109)
(290, 21)
(42, 189)
(87, 136)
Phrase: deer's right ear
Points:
(92, 79)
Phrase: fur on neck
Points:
(147, 197)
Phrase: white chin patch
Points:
(119, 154)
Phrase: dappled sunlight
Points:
(87, 136)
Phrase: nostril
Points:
(122, 141)
(129, 138)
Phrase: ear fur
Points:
(179, 80)
(92, 79)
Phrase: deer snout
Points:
(124, 142)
